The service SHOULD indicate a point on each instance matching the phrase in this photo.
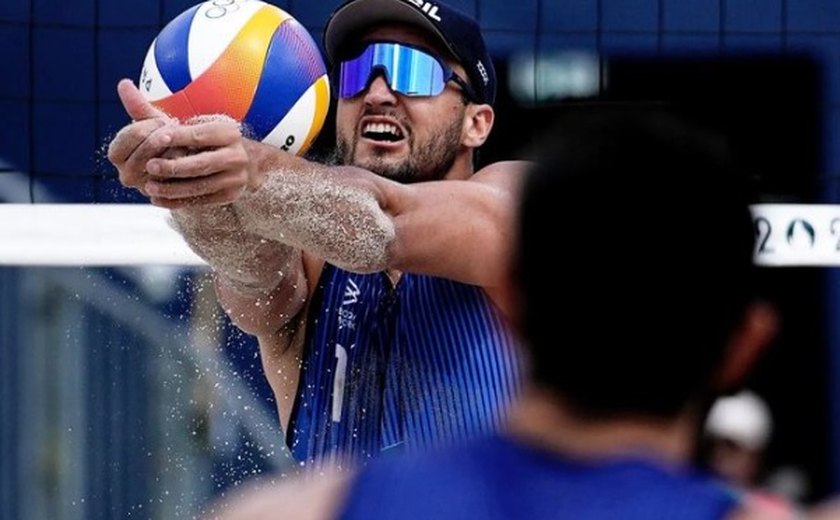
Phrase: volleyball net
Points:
(112, 234)
(90, 235)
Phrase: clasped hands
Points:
(203, 161)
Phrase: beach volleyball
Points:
(246, 59)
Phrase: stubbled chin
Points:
(386, 165)
(366, 152)
(376, 164)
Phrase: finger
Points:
(137, 106)
(130, 137)
(231, 181)
(129, 151)
(206, 135)
(199, 164)
(135, 145)
(156, 144)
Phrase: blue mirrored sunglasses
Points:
(407, 70)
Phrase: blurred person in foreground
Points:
(631, 331)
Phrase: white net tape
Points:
(90, 234)
(140, 234)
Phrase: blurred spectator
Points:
(737, 430)
(737, 433)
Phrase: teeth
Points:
(382, 128)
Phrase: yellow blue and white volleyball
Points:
(246, 59)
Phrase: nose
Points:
(379, 93)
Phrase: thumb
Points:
(137, 106)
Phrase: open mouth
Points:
(382, 132)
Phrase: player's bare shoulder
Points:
(504, 174)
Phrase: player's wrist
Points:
(258, 159)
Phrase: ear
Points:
(478, 121)
(757, 330)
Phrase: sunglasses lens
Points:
(407, 70)
(355, 73)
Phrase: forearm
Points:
(333, 213)
(259, 282)
(264, 314)
(244, 260)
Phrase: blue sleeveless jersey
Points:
(421, 364)
(498, 478)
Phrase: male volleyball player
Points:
(627, 344)
(373, 287)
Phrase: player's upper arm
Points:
(462, 230)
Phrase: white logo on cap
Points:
(428, 8)
(481, 70)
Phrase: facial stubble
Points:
(429, 160)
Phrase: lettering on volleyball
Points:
(219, 8)
(290, 140)
(428, 8)
(145, 80)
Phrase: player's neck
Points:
(462, 169)
(541, 419)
